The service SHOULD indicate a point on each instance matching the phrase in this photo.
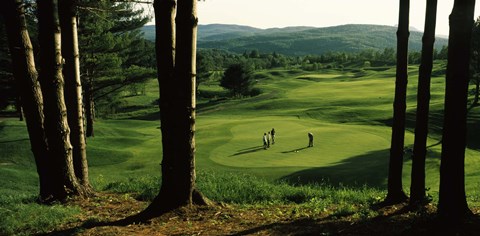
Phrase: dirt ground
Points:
(256, 220)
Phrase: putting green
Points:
(332, 143)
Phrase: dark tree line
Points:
(53, 100)
(475, 62)
(452, 206)
(215, 59)
(114, 56)
(43, 100)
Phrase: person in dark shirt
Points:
(310, 140)
(273, 135)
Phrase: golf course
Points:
(348, 110)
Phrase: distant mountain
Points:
(302, 40)
(212, 32)
(224, 32)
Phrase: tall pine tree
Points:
(395, 189)
(452, 204)
(417, 186)
(62, 180)
(73, 90)
(25, 73)
(176, 53)
(109, 39)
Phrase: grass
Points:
(348, 111)
(237, 188)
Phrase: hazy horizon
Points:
(265, 14)
(412, 28)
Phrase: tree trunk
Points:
(28, 86)
(417, 186)
(63, 180)
(395, 188)
(184, 73)
(452, 205)
(171, 194)
(73, 90)
(176, 77)
(18, 106)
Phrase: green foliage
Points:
(113, 52)
(475, 62)
(363, 43)
(7, 92)
(238, 78)
(443, 53)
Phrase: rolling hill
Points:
(301, 40)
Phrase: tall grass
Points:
(21, 215)
(249, 189)
(245, 189)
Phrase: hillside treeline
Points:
(215, 59)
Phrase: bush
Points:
(238, 79)
(255, 92)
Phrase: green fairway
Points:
(349, 115)
(333, 143)
(348, 111)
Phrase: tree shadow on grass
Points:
(397, 222)
(370, 169)
(248, 150)
(473, 129)
(147, 117)
(393, 220)
(16, 140)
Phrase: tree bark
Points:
(452, 205)
(26, 75)
(176, 77)
(63, 180)
(165, 52)
(18, 107)
(395, 188)
(73, 90)
(185, 75)
(417, 186)
(169, 84)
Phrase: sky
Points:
(319, 13)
